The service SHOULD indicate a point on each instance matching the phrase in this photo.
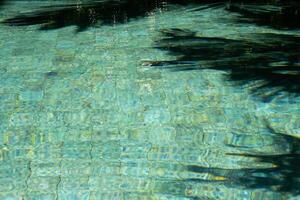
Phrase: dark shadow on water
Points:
(283, 175)
(269, 62)
(282, 14)
(278, 14)
(84, 15)
(2, 2)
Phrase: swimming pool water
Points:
(82, 115)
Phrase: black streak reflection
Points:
(84, 15)
(284, 14)
(278, 14)
(283, 175)
(271, 62)
(2, 2)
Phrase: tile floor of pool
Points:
(81, 117)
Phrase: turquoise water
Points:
(82, 115)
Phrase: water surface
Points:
(112, 110)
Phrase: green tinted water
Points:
(81, 117)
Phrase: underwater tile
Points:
(31, 95)
(83, 115)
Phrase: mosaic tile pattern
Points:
(82, 118)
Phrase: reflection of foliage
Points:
(279, 14)
(282, 14)
(87, 14)
(283, 176)
(84, 15)
(2, 2)
(271, 61)
(282, 173)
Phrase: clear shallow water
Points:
(82, 117)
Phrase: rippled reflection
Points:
(278, 14)
(270, 62)
(80, 118)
